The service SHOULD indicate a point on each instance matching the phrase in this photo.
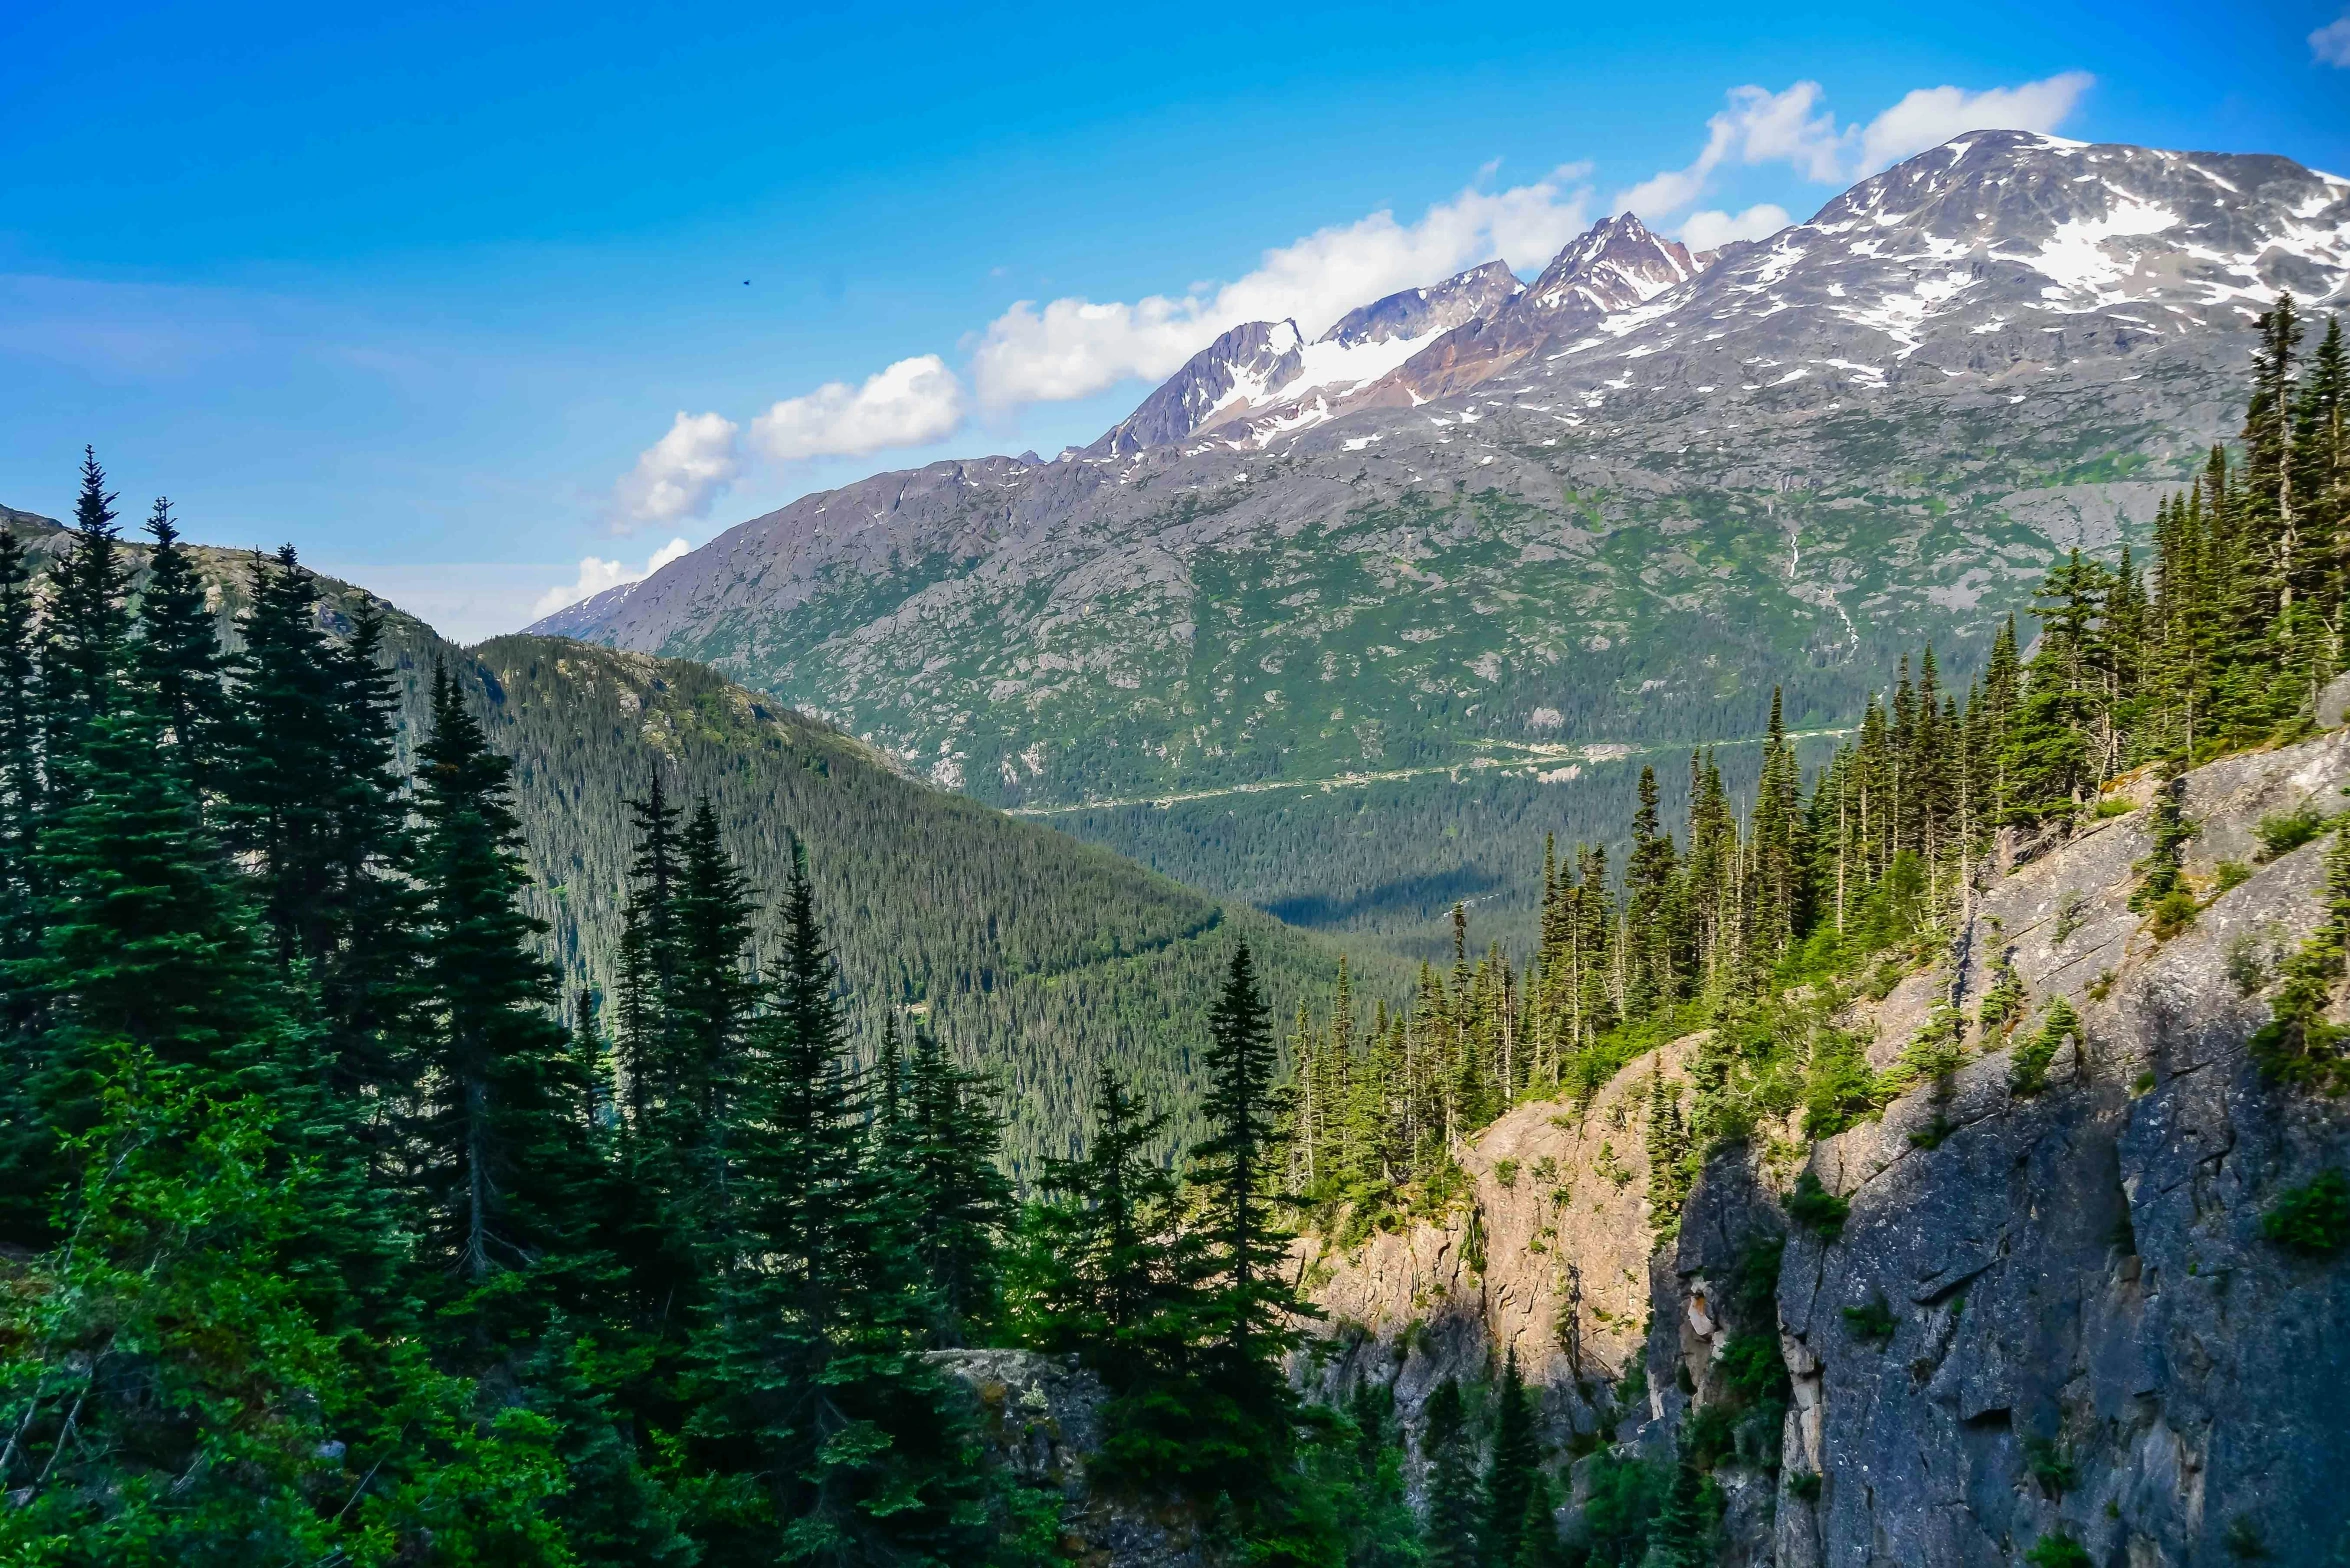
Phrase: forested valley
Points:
(2220, 643)
(336, 1232)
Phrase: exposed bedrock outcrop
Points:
(2045, 1313)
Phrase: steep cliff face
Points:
(1547, 1259)
(2046, 1312)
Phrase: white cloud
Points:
(1071, 347)
(913, 401)
(1712, 230)
(1791, 127)
(1930, 116)
(1759, 126)
(679, 475)
(596, 575)
(2331, 43)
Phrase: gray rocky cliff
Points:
(2045, 1313)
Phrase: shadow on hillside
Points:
(1420, 897)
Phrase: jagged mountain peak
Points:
(1415, 313)
(1616, 264)
(1237, 372)
(1259, 365)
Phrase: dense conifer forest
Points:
(333, 1231)
(2220, 642)
(1034, 957)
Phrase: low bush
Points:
(2051, 1464)
(2313, 1218)
(2282, 832)
(2027, 1073)
(1872, 1324)
(1816, 1208)
(2058, 1550)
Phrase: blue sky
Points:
(428, 293)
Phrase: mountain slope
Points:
(1262, 364)
(1612, 511)
(1030, 953)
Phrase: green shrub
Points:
(2171, 914)
(2051, 1464)
(1872, 1324)
(2247, 962)
(1754, 1280)
(2229, 875)
(1506, 1172)
(2115, 806)
(2058, 1550)
(2282, 832)
(2244, 1540)
(1709, 1437)
(2313, 1218)
(2003, 1003)
(2072, 912)
(1932, 1135)
(1754, 1368)
(1838, 1088)
(1816, 1208)
(1804, 1486)
(2028, 1072)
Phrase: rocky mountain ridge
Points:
(1459, 598)
(1263, 365)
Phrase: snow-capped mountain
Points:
(1995, 250)
(1262, 365)
(1490, 528)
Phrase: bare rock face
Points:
(2048, 1311)
(1548, 1260)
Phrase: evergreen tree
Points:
(177, 657)
(1100, 1276)
(285, 758)
(1253, 1307)
(24, 1143)
(1513, 1473)
(85, 637)
(847, 1444)
(507, 1166)
(649, 956)
(1382, 1531)
(961, 1201)
(1455, 1510)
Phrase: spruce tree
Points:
(1100, 1280)
(648, 957)
(85, 637)
(507, 1171)
(961, 1202)
(285, 758)
(1455, 1508)
(847, 1445)
(177, 657)
(1253, 1306)
(1512, 1469)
